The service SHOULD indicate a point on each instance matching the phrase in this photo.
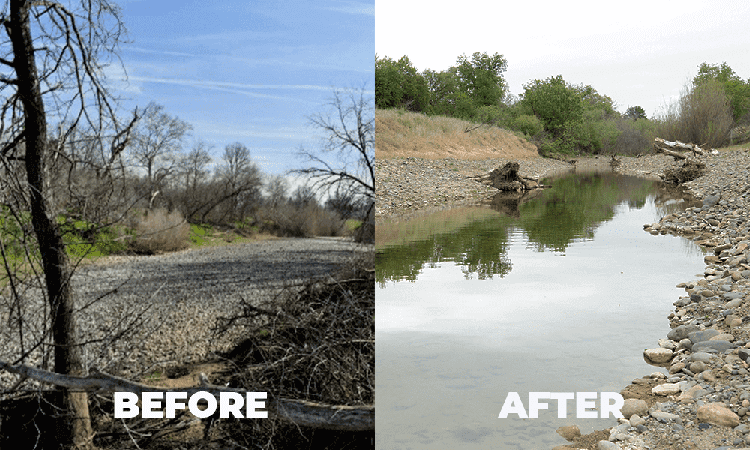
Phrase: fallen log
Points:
(670, 148)
(301, 412)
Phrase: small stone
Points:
(636, 420)
(698, 366)
(664, 416)
(676, 367)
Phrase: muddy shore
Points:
(703, 402)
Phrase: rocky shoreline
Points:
(704, 401)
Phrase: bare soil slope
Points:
(402, 134)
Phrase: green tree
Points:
(398, 84)
(635, 113)
(554, 102)
(737, 90)
(481, 77)
(447, 97)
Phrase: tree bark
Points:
(76, 428)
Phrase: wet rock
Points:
(569, 433)
(658, 356)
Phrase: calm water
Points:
(557, 293)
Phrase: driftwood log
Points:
(301, 412)
(672, 148)
(691, 168)
(506, 178)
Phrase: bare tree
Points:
(350, 139)
(241, 180)
(156, 141)
(52, 54)
(276, 188)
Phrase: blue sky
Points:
(639, 52)
(246, 71)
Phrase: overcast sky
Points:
(636, 52)
(246, 71)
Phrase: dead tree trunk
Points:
(506, 178)
(76, 430)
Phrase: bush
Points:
(634, 137)
(159, 231)
(527, 124)
(701, 116)
(301, 221)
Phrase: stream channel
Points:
(558, 291)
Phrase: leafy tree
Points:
(554, 102)
(481, 77)
(635, 113)
(398, 84)
(447, 96)
(737, 90)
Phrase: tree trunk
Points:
(76, 428)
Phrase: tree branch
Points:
(301, 412)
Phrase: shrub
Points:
(159, 231)
(702, 116)
(527, 124)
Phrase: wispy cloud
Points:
(367, 9)
(236, 88)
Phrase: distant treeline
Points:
(559, 117)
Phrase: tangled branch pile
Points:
(314, 343)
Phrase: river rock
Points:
(713, 346)
(681, 332)
(666, 389)
(711, 200)
(664, 416)
(634, 406)
(732, 321)
(700, 356)
(718, 414)
(569, 433)
(700, 336)
(606, 445)
(698, 366)
(636, 420)
(658, 356)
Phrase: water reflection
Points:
(559, 291)
(552, 219)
